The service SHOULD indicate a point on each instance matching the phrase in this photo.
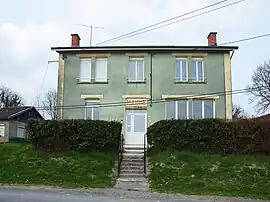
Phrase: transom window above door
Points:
(136, 70)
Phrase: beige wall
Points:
(6, 135)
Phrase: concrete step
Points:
(125, 156)
(128, 160)
(132, 167)
(133, 151)
(132, 185)
(131, 171)
(126, 179)
(132, 175)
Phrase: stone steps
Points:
(131, 175)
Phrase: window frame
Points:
(97, 103)
(181, 67)
(3, 126)
(136, 69)
(196, 78)
(106, 76)
(87, 79)
(202, 105)
(176, 108)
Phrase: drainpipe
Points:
(151, 79)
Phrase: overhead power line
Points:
(161, 22)
(246, 39)
(159, 100)
(131, 34)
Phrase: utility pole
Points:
(91, 27)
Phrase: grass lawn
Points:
(198, 174)
(20, 164)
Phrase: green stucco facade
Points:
(163, 74)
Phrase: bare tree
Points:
(8, 98)
(260, 87)
(49, 104)
(238, 112)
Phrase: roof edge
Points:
(145, 48)
(19, 113)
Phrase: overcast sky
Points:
(29, 28)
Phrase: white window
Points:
(85, 70)
(136, 69)
(92, 110)
(197, 70)
(181, 69)
(20, 132)
(101, 70)
(177, 109)
(2, 130)
(203, 109)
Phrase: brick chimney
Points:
(75, 40)
(212, 39)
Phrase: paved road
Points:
(47, 194)
(14, 194)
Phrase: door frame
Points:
(146, 124)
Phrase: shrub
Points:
(210, 136)
(76, 135)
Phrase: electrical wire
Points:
(43, 81)
(161, 22)
(184, 19)
(159, 100)
(246, 39)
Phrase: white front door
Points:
(136, 125)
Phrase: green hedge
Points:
(76, 135)
(210, 136)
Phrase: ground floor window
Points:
(185, 109)
(203, 109)
(92, 110)
(20, 132)
(176, 109)
(2, 130)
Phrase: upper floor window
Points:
(101, 70)
(136, 69)
(197, 69)
(85, 70)
(181, 69)
(176, 109)
(203, 109)
(92, 110)
(93, 73)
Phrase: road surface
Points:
(48, 194)
(15, 194)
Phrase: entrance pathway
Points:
(132, 176)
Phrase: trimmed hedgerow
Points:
(210, 136)
(75, 135)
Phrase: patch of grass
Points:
(201, 174)
(21, 164)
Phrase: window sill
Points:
(92, 82)
(136, 82)
(190, 82)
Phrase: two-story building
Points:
(140, 85)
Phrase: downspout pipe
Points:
(151, 79)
